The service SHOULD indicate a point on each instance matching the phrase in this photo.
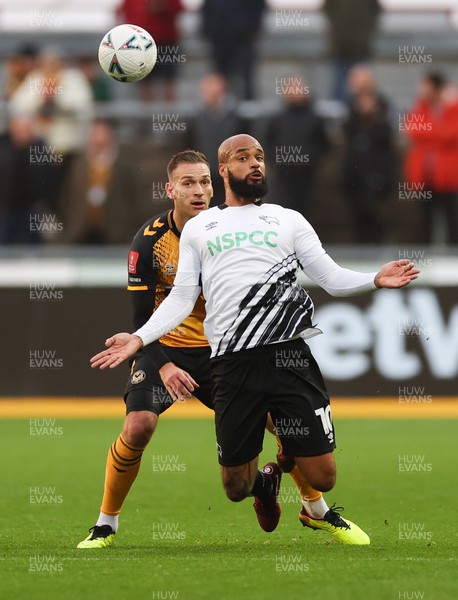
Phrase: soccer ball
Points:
(127, 53)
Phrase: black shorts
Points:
(283, 379)
(145, 390)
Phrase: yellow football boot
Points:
(101, 536)
(343, 530)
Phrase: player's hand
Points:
(120, 347)
(396, 274)
(178, 383)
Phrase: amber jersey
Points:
(152, 266)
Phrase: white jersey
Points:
(246, 259)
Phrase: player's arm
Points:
(174, 309)
(143, 273)
(178, 382)
(142, 301)
(337, 280)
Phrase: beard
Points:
(250, 191)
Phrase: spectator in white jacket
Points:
(59, 96)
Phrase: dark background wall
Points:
(374, 345)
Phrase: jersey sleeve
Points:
(337, 280)
(176, 307)
(181, 300)
(323, 270)
(189, 263)
(142, 273)
(142, 276)
(307, 244)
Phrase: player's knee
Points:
(327, 483)
(139, 428)
(236, 490)
(324, 481)
(235, 494)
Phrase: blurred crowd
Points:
(69, 176)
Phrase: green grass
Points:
(222, 553)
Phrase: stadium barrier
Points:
(59, 311)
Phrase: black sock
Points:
(263, 486)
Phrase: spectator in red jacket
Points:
(159, 18)
(431, 164)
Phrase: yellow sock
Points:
(305, 490)
(123, 464)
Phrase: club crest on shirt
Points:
(270, 220)
(138, 376)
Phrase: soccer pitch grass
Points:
(181, 538)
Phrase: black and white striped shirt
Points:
(246, 260)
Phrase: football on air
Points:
(127, 53)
